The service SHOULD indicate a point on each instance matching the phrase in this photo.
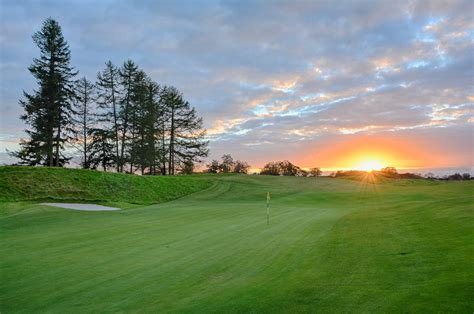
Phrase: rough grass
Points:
(60, 184)
(332, 246)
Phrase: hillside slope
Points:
(41, 183)
(332, 246)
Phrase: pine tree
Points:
(84, 117)
(154, 121)
(128, 74)
(137, 113)
(108, 101)
(101, 149)
(48, 110)
(147, 126)
(163, 125)
(186, 134)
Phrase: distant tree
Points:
(315, 172)
(289, 169)
(227, 164)
(466, 176)
(389, 170)
(429, 175)
(241, 167)
(108, 102)
(407, 175)
(272, 169)
(283, 168)
(48, 111)
(214, 167)
(457, 176)
(83, 107)
(350, 173)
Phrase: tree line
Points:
(123, 121)
(392, 173)
(274, 168)
(286, 168)
(228, 165)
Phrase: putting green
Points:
(332, 246)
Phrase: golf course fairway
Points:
(332, 245)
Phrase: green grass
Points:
(78, 185)
(332, 245)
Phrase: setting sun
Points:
(369, 165)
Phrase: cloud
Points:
(271, 78)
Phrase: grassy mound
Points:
(42, 183)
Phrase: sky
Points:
(331, 84)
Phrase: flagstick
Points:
(268, 208)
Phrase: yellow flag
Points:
(268, 208)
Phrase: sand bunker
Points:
(90, 207)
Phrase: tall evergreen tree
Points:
(154, 122)
(48, 110)
(85, 117)
(186, 133)
(108, 86)
(138, 111)
(101, 149)
(128, 74)
(146, 125)
(163, 126)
